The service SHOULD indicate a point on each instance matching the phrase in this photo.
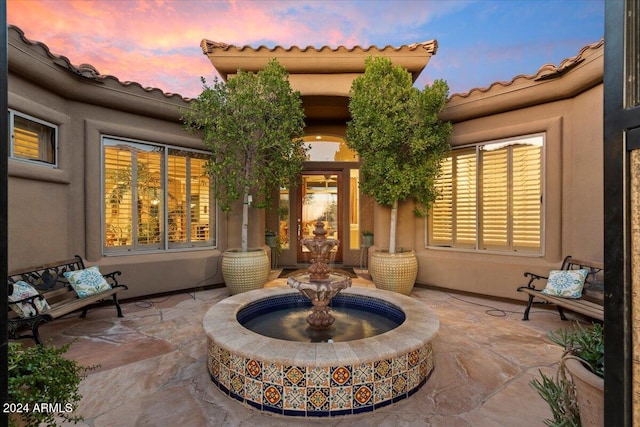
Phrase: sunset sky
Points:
(157, 42)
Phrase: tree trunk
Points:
(392, 227)
(245, 220)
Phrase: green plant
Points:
(560, 395)
(43, 384)
(397, 133)
(367, 233)
(283, 213)
(269, 232)
(585, 344)
(252, 125)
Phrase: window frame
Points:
(164, 245)
(55, 132)
(477, 247)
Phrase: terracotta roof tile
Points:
(546, 72)
(88, 71)
(208, 46)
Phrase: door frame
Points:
(621, 137)
(304, 257)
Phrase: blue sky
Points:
(157, 43)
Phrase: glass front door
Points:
(320, 199)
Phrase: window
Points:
(326, 148)
(490, 197)
(32, 139)
(155, 197)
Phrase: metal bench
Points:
(50, 282)
(591, 303)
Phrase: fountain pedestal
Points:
(319, 284)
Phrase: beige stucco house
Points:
(522, 189)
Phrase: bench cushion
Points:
(565, 283)
(87, 282)
(22, 290)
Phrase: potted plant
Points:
(42, 385)
(401, 141)
(270, 238)
(252, 125)
(577, 399)
(367, 238)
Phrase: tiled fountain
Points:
(311, 372)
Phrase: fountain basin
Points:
(357, 317)
(319, 379)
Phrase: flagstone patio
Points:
(153, 365)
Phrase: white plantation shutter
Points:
(32, 140)
(495, 193)
(200, 200)
(117, 196)
(491, 197)
(441, 216)
(466, 199)
(150, 200)
(155, 197)
(177, 198)
(527, 198)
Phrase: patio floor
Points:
(153, 366)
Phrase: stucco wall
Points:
(55, 213)
(573, 208)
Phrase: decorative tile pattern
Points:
(399, 384)
(363, 395)
(236, 363)
(341, 376)
(413, 358)
(362, 373)
(295, 398)
(341, 398)
(413, 378)
(272, 396)
(318, 376)
(399, 364)
(253, 390)
(294, 376)
(382, 369)
(224, 376)
(382, 390)
(318, 398)
(236, 383)
(319, 391)
(272, 373)
(254, 369)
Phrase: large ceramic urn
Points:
(245, 271)
(589, 393)
(394, 272)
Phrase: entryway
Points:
(319, 198)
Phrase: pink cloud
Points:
(156, 43)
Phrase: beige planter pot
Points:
(589, 393)
(245, 271)
(394, 272)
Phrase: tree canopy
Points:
(396, 131)
(252, 125)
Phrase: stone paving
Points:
(153, 366)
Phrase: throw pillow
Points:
(566, 283)
(87, 282)
(22, 290)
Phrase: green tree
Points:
(252, 125)
(396, 131)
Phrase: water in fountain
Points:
(319, 284)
